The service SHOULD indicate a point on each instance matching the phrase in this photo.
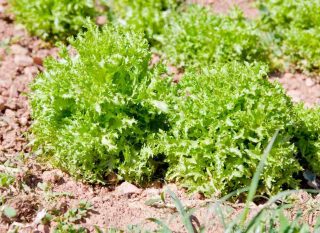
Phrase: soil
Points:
(39, 188)
(223, 6)
(300, 88)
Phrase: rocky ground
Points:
(39, 189)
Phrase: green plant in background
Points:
(76, 214)
(53, 20)
(6, 179)
(223, 118)
(144, 16)
(68, 228)
(308, 137)
(96, 112)
(293, 28)
(290, 13)
(67, 223)
(197, 36)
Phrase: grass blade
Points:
(184, 215)
(216, 207)
(165, 228)
(256, 176)
(254, 220)
(275, 198)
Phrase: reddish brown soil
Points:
(21, 59)
(223, 6)
(300, 88)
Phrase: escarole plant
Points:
(294, 29)
(148, 17)
(198, 37)
(222, 121)
(96, 112)
(53, 20)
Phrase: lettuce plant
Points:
(96, 112)
(223, 119)
(294, 30)
(307, 137)
(53, 19)
(290, 13)
(145, 16)
(197, 36)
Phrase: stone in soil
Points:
(18, 50)
(53, 176)
(126, 189)
(23, 60)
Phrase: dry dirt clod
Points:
(2, 9)
(38, 61)
(9, 113)
(5, 83)
(30, 72)
(43, 229)
(53, 176)
(23, 121)
(198, 196)
(309, 82)
(13, 92)
(23, 60)
(295, 95)
(151, 192)
(126, 189)
(11, 104)
(288, 76)
(18, 50)
(26, 207)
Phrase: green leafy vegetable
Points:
(97, 112)
(6, 179)
(64, 227)
(53, 19)
(199, 37)
(293, 27)
(144, 16)
(222, 121)
(308, 137)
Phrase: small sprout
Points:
(9, 212)
(6, 180)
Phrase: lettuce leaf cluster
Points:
(222, 121)
(148, 17)
(196, 36)
(307, 137)
(53, 20)
(96, 112)
(294, 28)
